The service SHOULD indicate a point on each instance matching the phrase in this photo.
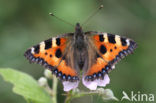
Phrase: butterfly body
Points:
(93, 53)
(79, 48)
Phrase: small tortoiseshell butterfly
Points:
(93, 53)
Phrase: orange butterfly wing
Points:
(111, 49)
(49, 53)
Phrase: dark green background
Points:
(24, 23)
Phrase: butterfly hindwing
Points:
(50, 54)
(111, 49)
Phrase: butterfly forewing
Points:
(50, 53)
(111, 49)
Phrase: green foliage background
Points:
(24, 23)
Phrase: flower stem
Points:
(68, 97)
(54, 88)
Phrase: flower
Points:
(92, 85)
(70, 85)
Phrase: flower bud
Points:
(48, 74)
(42, 81)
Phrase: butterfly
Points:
(89, 56)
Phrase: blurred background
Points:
(24, 23)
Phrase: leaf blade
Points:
(25, 85)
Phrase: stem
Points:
(71, 96)
(54, 90)
(68, 98)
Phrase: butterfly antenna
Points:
(61, 19)
(93, 14)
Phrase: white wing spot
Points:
(127, 42)
(117, 39)
(106, 37)
(32, 50)
(42, 46)
(54, 42)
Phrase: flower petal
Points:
(103, 82)
(69, 85)
(92, 85)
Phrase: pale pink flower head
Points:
(92, 85)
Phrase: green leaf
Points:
(26, 86)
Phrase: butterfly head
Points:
(79, 35)
(78, 29)
(77, 26)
